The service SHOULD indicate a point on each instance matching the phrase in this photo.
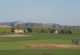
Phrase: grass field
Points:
(15, 45)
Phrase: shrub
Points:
(52, 30)
(29, 29)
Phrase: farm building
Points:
(18, 28)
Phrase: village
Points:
(19, 27)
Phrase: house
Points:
(19, 28)
(18, 31)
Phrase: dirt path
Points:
(15, 35)
(51, 46)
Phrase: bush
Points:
(65, 32)
(52, 31)
(29, 29)
(76, 41)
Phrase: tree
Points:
(29, 29)
(51, 30)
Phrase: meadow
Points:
(16, 45)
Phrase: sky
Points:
(72, 12)
(64, 12)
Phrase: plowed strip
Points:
(52, 46)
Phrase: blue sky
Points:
(72, 12)
(45, 11)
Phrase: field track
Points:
(15, 35)
(52, 46)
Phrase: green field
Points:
(15, 45)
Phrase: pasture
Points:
(18, 45)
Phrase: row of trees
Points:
(41, 28)
(36, 28)
(44, 30)
(8, 30)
